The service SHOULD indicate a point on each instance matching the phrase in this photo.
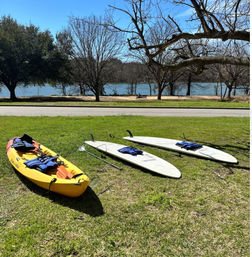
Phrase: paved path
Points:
(115, 111)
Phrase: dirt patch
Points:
(240, 98)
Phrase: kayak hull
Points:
(71, 187)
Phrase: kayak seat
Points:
(22, 145)
(42, 163)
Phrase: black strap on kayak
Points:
(52, 181)
(131, 135)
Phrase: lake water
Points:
(118, 89)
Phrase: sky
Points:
(54, 14)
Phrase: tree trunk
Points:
(63, 90)
(189, 83)
(97, 96)
(234, 92)
(150, 88)
(11, 87)
(224, 95)
(82, 89)
(229, 93)
(131, 89)
(216, 87)
(246, 90)
(171, 89)
(160, 90)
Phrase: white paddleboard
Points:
(170, 144)
(146, 160)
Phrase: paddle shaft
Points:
(97, 157)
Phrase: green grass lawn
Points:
(130, 212)
(148, 103)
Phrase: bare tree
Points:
(134, 75)
(94, 46)
(162, 78)
(224, 20)
(234, 76)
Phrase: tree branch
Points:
(201, 61)
(238, 35)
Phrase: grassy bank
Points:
(130, 212)
(212, 102)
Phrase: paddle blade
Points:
(82, 148)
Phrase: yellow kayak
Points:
(65, 178)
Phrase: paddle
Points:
(83, 149)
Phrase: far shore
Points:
(238, 98)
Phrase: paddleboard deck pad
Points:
(145, 160)
(170, 144)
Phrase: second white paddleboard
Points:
(145, 160)
(170, 144)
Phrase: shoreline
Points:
(238, 98)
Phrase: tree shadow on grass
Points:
(88, 203)
(221, 147)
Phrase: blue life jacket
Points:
(22, 145)
(188, 146)
(43, 163)
(130, 150)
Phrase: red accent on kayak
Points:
(36, 144)
(10, 143)
(63, 173)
